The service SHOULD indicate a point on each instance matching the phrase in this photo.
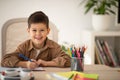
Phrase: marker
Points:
(70, 77)
(69, 52)
(78, 53)
(24, 57)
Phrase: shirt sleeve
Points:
(61, 58)
(11, 59)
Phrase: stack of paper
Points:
(72, 75)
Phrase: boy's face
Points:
(38, 33)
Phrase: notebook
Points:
(72, 75)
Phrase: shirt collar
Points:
(49, 43)
(31, 45)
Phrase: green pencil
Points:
(70, 77)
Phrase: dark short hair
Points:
(38, 17)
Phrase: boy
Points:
(41, 50)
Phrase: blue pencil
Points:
(24, 57)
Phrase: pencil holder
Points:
(77, 64)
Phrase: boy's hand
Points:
(41, 62)
(32, 65)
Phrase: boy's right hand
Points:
(32, 65)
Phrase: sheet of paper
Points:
(38, 69)
(6, 68)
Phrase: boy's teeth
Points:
(38, 38)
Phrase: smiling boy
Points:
(41, 50)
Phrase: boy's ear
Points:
(28, 30)
(48, 30)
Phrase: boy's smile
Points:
(38, 33)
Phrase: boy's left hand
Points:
(41, 62)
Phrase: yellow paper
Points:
(66, 75)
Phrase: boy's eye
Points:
(34, 30)
(42, 30)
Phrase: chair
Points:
(14, 32)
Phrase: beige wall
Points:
(66, 15)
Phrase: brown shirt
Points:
(50, 52)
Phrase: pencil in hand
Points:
(24, 57)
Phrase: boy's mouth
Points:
(38, 38)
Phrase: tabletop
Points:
(104, 72)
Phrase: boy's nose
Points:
(38, 33)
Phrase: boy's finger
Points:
(33, 60)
